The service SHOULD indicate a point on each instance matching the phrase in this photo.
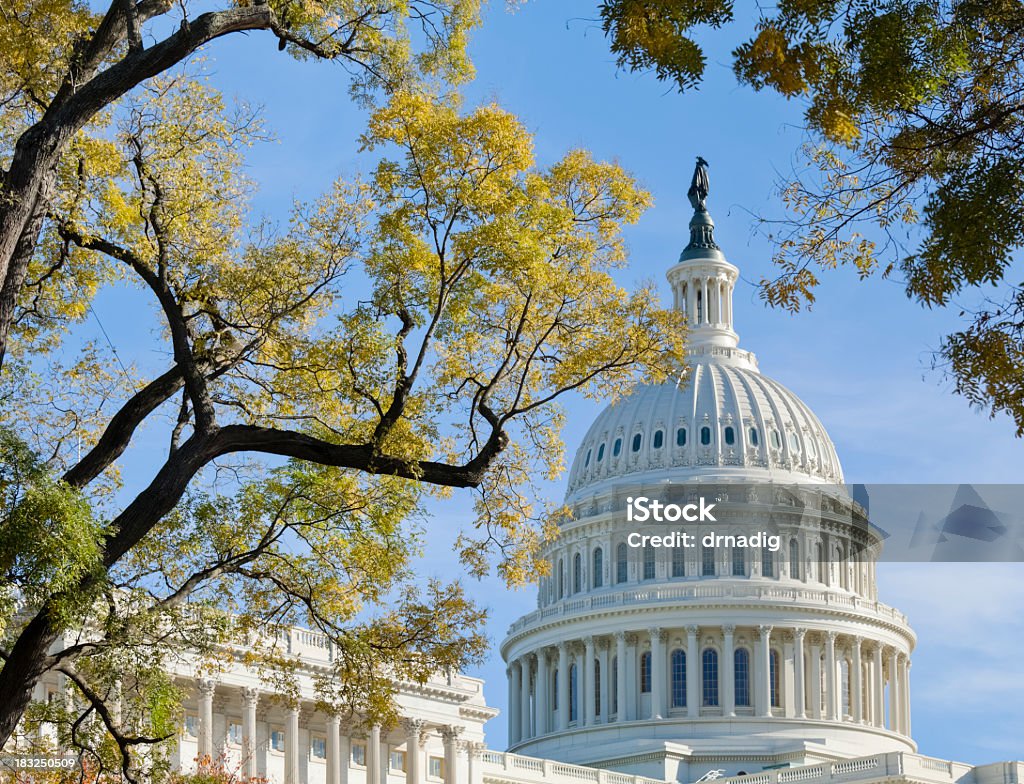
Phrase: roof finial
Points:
(699, 186)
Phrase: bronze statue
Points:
(699, 186)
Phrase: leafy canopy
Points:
(914, 167)
(401, 336)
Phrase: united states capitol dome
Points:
(723, 420)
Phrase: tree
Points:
(916, 116)
(61, 66)
(403, 336)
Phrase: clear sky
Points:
(860, 359)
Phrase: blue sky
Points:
(860, 359)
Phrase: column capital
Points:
(474, 748)
(563, 645)
(206, 686)
(729, 628)
(333, 720)
(799, 632)
(620, 637)
(413, 725)
(250, 696)
(831, 637)
(692, 629)
(589, 641)
(765, 629)
(451, 733)
(602, 643)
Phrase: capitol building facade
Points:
(647, 664)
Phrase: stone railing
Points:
(515, 767)
(880, 766)
(708, 590)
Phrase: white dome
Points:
(755, 429)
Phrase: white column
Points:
(373, 760)
(333, 748)
(906, 695)
(693, 690)
(729, 671)
(563, 686)
(514, 687)
(632, 679)
(603, 658)
(620, 676)
(524, 697)
(704, 295)
(250, 698)
(816, 681)
(413, 758)
(541, 699)
(830, 677)
(857, 684)
(766, 670)
(798, 672)
(476, 771)
(878, 684)
(451, 761)
(581, 686)
(691, 302)
(291, 747)
(207, 688)
(657, 672)
(894, 691)
(589, 706)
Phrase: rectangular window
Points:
(277, 740)
(359, 754)
(234, 733)
(648, 563)
(767, 563)
(739, 568)
(318, 748)
(191, 725)
(435, 767)
(397, 761)
(708, 562)
(679, 562)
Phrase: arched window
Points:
(554, 690)
(586, 461)
(678, 561)
(753, 436)
(637, 440)
(709, 670)
(767, 562)
(707, 563)
(741, 676)
(617, 447)
(739, 568)
(573, 712)
(645, 672)
(620, 563)
(776, 441)
(705, 435)
(577, 573)
(615, 684)
(794, 559)
(678, 678)
(600, 453)
(659, 439)
(561, 578)
(681, 437)
(597, 687)
(730, 436)
(648, 562)
(598, 578)
(773, 677)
